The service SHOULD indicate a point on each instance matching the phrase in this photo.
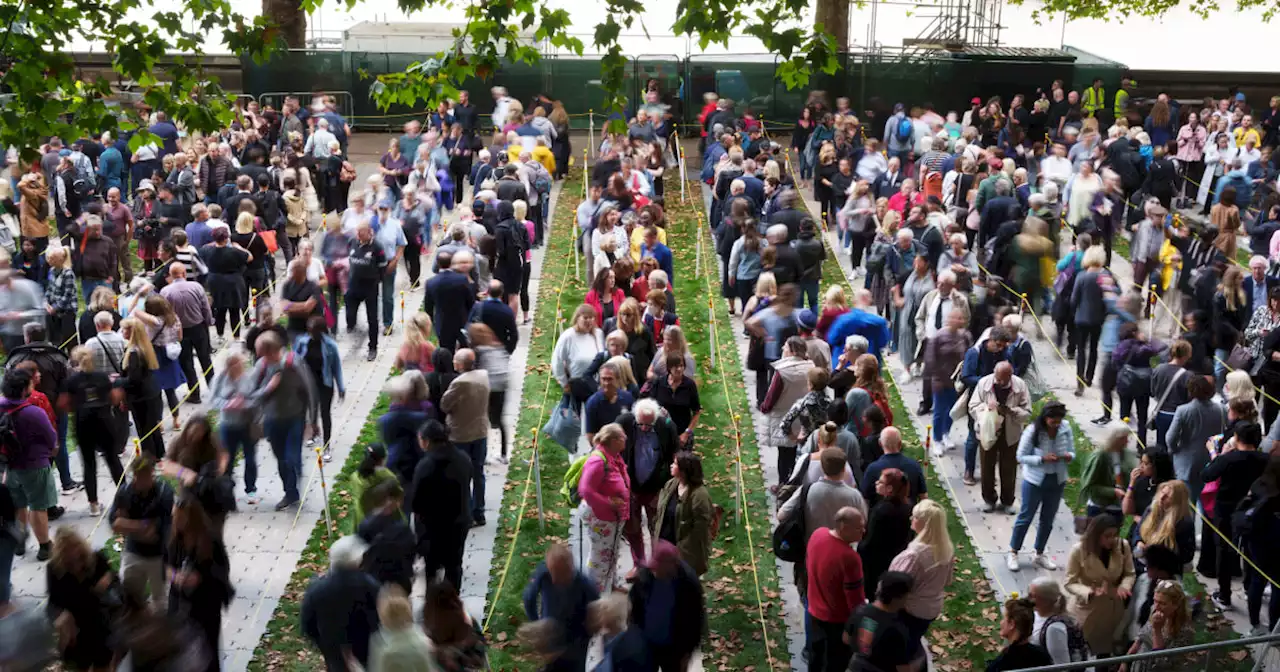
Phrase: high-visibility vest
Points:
(1122, 101)
(1094, 100)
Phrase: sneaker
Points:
(56, 512)
(990, 507)
(1043, 562)
(1079, 390)
(95, 509)
(46, 549)
(937, 449)
(311, 442)
(286, 503)
(504, 459)
(251, 498)
(924, 410)
(478, 521)
(1221, 601)
(1259, 631)
(373, 354)
(327, 455)
(1101, 421)
(20, 548)
(71, 487)
(386, 331)
(968, 479)
(1011, 561)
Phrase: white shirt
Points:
(501, 108)
(1247, 156)
(1056, 168)
(939, 303)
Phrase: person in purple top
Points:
(30, 477)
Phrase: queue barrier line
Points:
(1026, 302)
(737, 432)
(536, 430)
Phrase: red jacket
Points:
(702, 116)
(592, 299)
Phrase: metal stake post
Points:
(591, 132)
(537, 484)
(324, 492)
(711, 320)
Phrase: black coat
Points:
(340, 610)
(787, 268)
(448, 297)
(811, 253)
(792, 218)
(499, 317)
(52, 363)
(392, 549)
(668, 446)
(441, 492)
(510, 189)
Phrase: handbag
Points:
(1239, 358)
(789, 541)
(1164, 396)
(268, 237)
(172, 350)
(1134, 381)
(565, 425)
(989, 427)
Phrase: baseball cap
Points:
(976, 101)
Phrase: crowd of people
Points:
(962, 231)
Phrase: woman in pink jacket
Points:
(1191, 139)
(605, 488)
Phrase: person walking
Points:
(320, 352)
(559, 594)
(191, 306)
(1235, 469)
(78, 582)
(1193, 424)
(368, 263)
(285, 393)
(466, 408)
(668, 607)
(30, 474)
(235, 420)
(1044, 451)
(441, 502)
(228, 288)
(138, 380)
(88, 391)
(201, 587)
(888, 526)
(339, 609)
(142, 513)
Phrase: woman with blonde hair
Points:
(640, 342)
(399, 643)
(674, 342)
(834, 304)
(826, 169)
(1230, 318)
(857, 221)
(165, 331)
(1169, 522)
(575, 350)
(246, 237)
(138, 378)
(929, 559)
(102, 300)
(416, 351)
(1170, 627)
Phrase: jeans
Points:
(1163, 420)
(1220, 367)
(809, 292)
(285, 435)
(477, 451)
(1046, 497)
(236, 438)
(60, 460)
(1255, 585)
(388, 299)
(944, 398)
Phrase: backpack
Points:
(573, 476)
(83, 187)
(904, 130)
(876, 258)
(789, 540)
(9, 443)
(1077, 645)
(542, 183)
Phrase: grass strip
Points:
(742, 561)
(283, 646)
(524, 548)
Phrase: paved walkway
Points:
(264, 545)
(991, 533)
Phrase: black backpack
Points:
(789, 540)
(9, 443)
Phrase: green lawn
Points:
(743, 599)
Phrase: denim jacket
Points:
(332, 361)
(1031, 454)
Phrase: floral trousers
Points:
(604, 537)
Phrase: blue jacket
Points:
(1239, 180)
(565, 605)
(1032, 450)
(663, 254)
(399, 428)
(111, 168)
(858, 322)
(332, 360)
(979, 362)
(715, 150)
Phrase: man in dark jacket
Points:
(789, 214)
(368, 262)
(392, 545)
(510, 242)
(448, 298)
(441, 502)
(97, 259)
(509, 188)
(498, 316)
(231, 204)
(215, 171)
(667, 605)
(558, 591)
(605, 167)
(652, 444)
(810, 250)
(340, 609)
(787, 268)
(54, 371)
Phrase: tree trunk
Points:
(287, 15)
(833, 15)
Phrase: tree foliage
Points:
(46, 96)
(1107, 10)
(491, 37)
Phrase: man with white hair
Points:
(931, 318)
(652, 444)
(890, 181)
(339, 610)
(318, 144)
(501, 106)
(787, 268)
